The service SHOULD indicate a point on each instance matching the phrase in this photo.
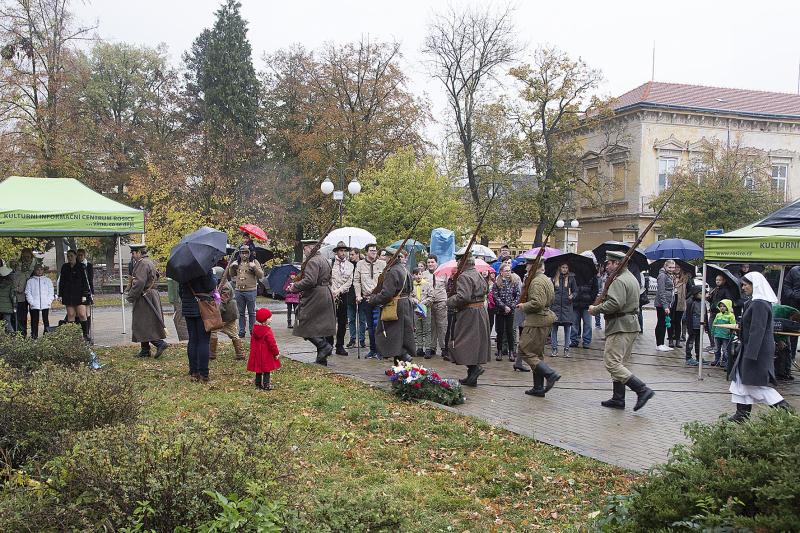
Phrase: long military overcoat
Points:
(395, 338)
(469, 336)
(316, 315)
(146, 322)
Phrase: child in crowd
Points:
(722, 336)
(420, 299)
(229, 312)
(693, 326)
(263, 350)
(40, 294)
(8, 295)
(292, 299)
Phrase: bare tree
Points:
(37, 77)
(467, 45)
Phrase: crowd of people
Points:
(25, 291)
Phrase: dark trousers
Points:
(198, 348)
(22, 317)
(35, 321)
(291, 309)
(341, 323)
(675, 325)
(368, 310)
(661, 325)
(505, 330)
(693, 339)
(492, 314)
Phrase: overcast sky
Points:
(734, 43)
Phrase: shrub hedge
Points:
(734, 478)
(64, 347)
(35, 407)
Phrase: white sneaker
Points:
(663, 348)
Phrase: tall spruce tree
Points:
(227, 77)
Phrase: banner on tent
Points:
(776, 249)
(75, 221)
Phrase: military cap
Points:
(137, 247)
(461, 252)
(306, 242)
(530, 259)
(614, 256)
(341, 246)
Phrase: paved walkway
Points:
(570, 417)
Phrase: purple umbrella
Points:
(548, 253)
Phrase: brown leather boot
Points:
(203, 379)
(237, 346)
(194, 377)
(212, 347)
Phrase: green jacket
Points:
(540, 298)
(783, 311)
(622, 297)
(723, 318)
(8, 295)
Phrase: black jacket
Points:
(73, 284)
(586, 295)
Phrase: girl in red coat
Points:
(263, 350)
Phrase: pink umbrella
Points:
(448, 269)
(548, 252)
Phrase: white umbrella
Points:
(479, 250)
(351, 236)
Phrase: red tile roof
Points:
(676, 96)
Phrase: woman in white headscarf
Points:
(754, 368)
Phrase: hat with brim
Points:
(137, 247)
(341, 246)
(5, 271)
(461, 252)
(614, 256)
(308, 242)
(530, 259)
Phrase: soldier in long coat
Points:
(148, 324)
(316, 314)
(538, 319)
(395, 338)
(621, 310)
(469, 337)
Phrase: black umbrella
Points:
(263, 254)
(582, 267)
(638, 258)
(196, 254)
(278, 276)
(656, 266)
(712, 271)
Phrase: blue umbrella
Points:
(673, 249)
(278, 276)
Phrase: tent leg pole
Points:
(121, 287)
(780, 283)
(702, 323)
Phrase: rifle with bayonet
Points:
(317, 246)
(463, 261)
(612, 276)
(535, 268)
(392, 260)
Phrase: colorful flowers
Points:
(413, 381)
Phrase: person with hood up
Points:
(754, 368)
(722, 336)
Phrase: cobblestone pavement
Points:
(570, 417)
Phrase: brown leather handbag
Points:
(209, 311)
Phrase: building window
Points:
(779, 173)
(700, 170)
(666, 166)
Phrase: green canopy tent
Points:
(46, 207)
(774, 239)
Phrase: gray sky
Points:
(735, 43)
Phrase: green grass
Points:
(442, 471)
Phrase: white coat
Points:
(39, 292)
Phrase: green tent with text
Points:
(773, 239)
(62, 207)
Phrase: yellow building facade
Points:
(659, 127)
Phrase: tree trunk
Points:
(60, 257)
(298, 247)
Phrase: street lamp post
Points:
(327, 187)
(562, 224)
